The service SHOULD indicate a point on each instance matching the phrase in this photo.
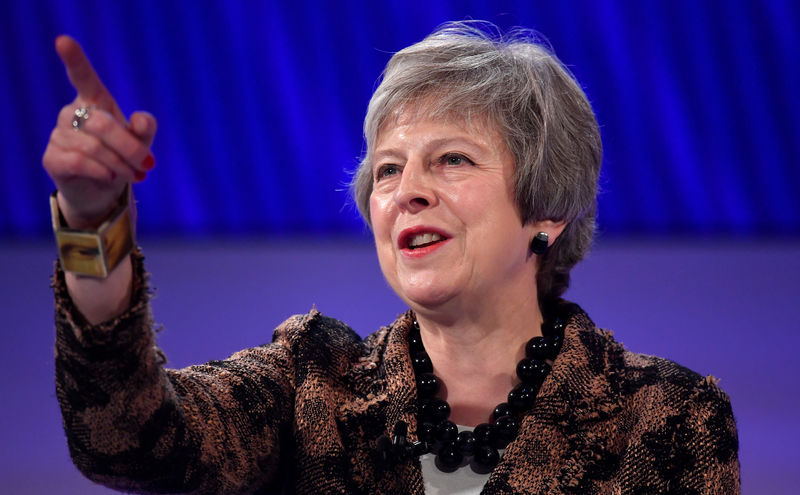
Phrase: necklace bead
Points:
(521, 397)
(466, 443)
(427, 432)
(501, 410)
(506, 428)
(486, 457)
(415, 341)
(446, 432)
(427, 384)
(449, 457)
(435, 410)
(484, 434)
(422, 362)
(532, 371)
(544, 347)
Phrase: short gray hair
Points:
(519, 86)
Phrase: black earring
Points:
(539, 243)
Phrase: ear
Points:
(549, 227)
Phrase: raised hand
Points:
(92, 166)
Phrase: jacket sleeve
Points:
(705, 449)
(133, 425)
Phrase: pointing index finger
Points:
(83, 77)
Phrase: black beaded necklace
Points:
(439, 435)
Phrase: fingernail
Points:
(149, 162)
(139, 176)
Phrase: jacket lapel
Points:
(384, 393)
(564, 440)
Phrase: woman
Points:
(479, 184)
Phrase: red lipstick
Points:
(406, 237)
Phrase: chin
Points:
(425, 297)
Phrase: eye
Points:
(386, 170)
(454, 160)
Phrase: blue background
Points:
(245, 219)
(260, 105)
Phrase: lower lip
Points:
(423, 251)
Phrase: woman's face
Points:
(443, 214)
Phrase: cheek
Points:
(478, 205)
(491, 215)
(381, 229)
(379, 216)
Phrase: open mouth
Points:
(423, 240)
(419, 238)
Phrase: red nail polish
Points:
(139, 176)
(149, 162)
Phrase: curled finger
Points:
(63, 165)
(92, 147)
(116, 137)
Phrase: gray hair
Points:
(519, 86)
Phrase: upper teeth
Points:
(420, 239)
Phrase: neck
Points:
(475, 351)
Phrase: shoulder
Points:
(316, 333)
(315, 337)
(678, 396)
(314, 326)
(673, 411)
(672, 404)
(673, 384)
(633, 373)
(652, 388)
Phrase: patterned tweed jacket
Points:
(303, 414)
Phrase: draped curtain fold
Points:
(260, 105)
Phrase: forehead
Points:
(469, 121)
(431, 107)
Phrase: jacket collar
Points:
(581, 385)
(579, 388)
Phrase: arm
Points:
(130, 423)
(91, 169)
(133, 425)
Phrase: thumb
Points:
(143, 125)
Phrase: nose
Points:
(415, 192)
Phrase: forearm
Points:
(99, 300)
(110, 384)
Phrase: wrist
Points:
(95, 250)
(86, 219)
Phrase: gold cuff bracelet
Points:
(94, 253)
